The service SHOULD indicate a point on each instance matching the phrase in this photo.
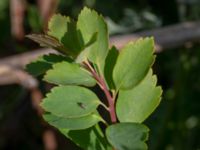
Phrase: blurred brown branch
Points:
(17, 13)
(17, 9)
(47, 9)
(165, 38)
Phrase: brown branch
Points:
(166, 37)
(47, 9)
(9, 75)
(49, 140)
(17, 9)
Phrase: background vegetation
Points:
(176, 123)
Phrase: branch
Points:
(17, 9)
(166, 38)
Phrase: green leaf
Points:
(89, 22)
(72, 123)
(127, 136)
(88, 139)
(109, 65)
(64, 29)
(136, 104)
(133, 63)
(64, 73)
(44, 63)
(58, 26)
(70, 101)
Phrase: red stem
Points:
(102, 84)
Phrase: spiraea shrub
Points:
(85, 60)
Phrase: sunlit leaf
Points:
(136, 104)
(133, 63)
(89, 22)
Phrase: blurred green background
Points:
(175, 125)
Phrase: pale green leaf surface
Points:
(136, 104)
(65, 73)
(89, 22)
(127, 136)
(58, 26)
(133, 63)
(88, 139)
(70, 101)
(72, 123)
(44, 63)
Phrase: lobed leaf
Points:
(133, 63)
(136, 104)
(89, 22)
(44, 63)
(65, 73)
(70, 101)
(127, 136)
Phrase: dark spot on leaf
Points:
(81, 105)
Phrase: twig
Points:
(103, 86)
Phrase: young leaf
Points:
(44, 63)
(88, 139)
(109, 65)
(89, 22)
(65, 73)
(133, 63)
(48, 41)
(136, 104)
(72, 123)
(127, 136)
(70, 101)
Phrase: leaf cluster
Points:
(85, 60)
